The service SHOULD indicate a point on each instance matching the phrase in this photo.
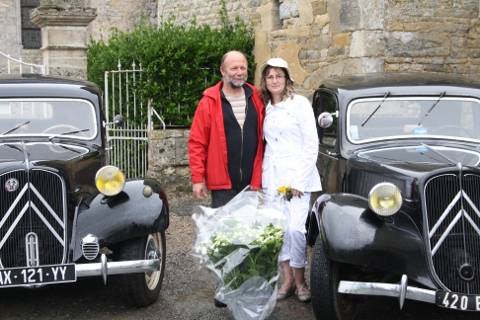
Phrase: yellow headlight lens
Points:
(385, 199)
(110, 180)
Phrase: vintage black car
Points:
(64, 212)
(399, 215)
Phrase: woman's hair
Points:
(266, 95)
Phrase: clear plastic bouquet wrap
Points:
(240, 243)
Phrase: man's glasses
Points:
(271, 78)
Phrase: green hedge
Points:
(178, 62)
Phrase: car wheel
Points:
(325, 276)
(142, 289)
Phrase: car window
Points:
(413, 117)
(325, 101)
(32, 117)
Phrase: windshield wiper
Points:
(16, 127)
(438, 153)
(374, 111)
(64, 147)
(65, 133)
(14, 147)
(431, 108)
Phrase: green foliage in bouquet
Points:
(259, 247)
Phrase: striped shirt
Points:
(238, 104)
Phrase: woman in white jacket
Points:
(290, 161)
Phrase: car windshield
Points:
(413, 117)
(50, 117)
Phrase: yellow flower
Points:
(282, 190)
(285, 191)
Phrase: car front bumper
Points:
(401, 290)
(105, 268)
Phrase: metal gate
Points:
(128, 145)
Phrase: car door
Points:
(329, 139)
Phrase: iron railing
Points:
(129, 144)
(13, 63)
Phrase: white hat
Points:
(277, 63)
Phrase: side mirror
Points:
(325, 120)
(118, 121)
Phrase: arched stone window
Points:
(31, 35)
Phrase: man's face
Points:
(234, 71)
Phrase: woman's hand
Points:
(296, 192)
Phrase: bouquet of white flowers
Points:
(240, 243)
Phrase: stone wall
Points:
(168, 159)
(324, 38)
(11, 38)
(119, 14)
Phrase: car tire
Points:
(143, 289)
(327, 303)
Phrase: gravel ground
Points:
(185, 280)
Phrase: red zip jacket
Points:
(207, 146)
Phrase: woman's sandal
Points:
(281, 295)
(305, 296)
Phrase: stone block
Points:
(410, 44)
(341, 40)
(367, 44)
(305, 14)
(322, 20)
(288, 10)
(372, 14)
(350, 15)
(319, 7)
(64, 36)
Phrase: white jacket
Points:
(292, 146)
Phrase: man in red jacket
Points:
(225, 146)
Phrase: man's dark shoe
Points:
(219, 304)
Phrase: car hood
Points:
(403, 165)
(23, 153)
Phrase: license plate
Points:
(458, 301)
(14, 277)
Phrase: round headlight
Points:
(385, 199)
(110, 180)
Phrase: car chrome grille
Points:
(453, 220)
(32, 222)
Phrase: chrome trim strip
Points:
(49, 226)
(45, 203)
(14, 224)
(13, 206)
(444, 214)
(462, 213)
(472, 223)
(474, 208)
(31, 249)
(64, 208)
(447, 231)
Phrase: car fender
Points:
(140, 209)
(353, 234)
